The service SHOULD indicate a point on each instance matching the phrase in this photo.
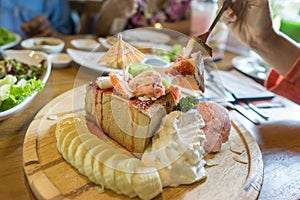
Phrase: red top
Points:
(287, 86)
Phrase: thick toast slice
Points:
(132, 123)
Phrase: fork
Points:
(203, 37)
(229, 100)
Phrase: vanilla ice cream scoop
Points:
(177, 149)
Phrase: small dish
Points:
(46, 44)
(60, 60)
(157, 63)
(85, 44)
(32, 58)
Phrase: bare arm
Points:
(250, 21)
(279, 51)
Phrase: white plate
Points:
(90, 60)
(251, 66)
(142, 38)
(146, 35)
(29, 57)
(13, 43)
(104, 42)
(54, 45)
(150, 45)
(85, 44)
(139, 44)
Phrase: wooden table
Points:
(278, 138)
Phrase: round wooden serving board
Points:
(233, 176)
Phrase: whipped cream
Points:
(177, 149)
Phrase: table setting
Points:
(36, 170)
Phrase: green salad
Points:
(169, 56)
(21, 70)
(6, 36)
(17, 81)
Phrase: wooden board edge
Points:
(254, 181)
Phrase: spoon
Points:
(203, 37)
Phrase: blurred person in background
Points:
(36, 18)
(115, 16)
(250, 21)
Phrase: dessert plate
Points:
(229, 175)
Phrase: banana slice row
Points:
(103, 164)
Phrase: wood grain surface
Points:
(278, 138)
(234, 177)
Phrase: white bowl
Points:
(31, 58)
(85, 44)
(157, 63)
(46, 44)
(60, 60)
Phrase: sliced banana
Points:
(108, 171)
(73, 146)
(62, 129)
(104, 164)
(69, 150)
(90, 159)
(81, 152)
(66, 143)
(99, 160)
(146, 182)
(123, 175)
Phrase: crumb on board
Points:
(52, 117)
(242, 158)
(237, 149)
(212, 162)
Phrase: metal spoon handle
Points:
(225, 5)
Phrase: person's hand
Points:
(38, 26)
(250, 21)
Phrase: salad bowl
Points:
(30, 58)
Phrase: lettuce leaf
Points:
(8, 80)
(17, 93)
